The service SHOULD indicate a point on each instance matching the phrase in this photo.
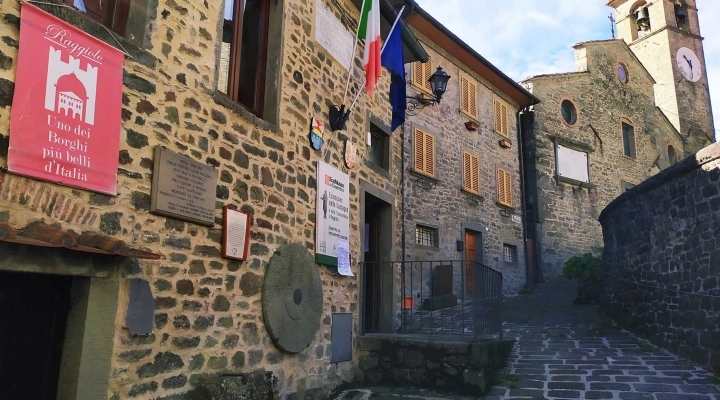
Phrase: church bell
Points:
(643, 19)
(681, 14)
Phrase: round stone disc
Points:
(292, 298)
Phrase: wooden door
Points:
(470, 256)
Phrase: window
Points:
(568, 111)
(111, 13)
(471, 173)
(672, 155)
(504, 181)
(509, 253)
(424, 153)
(501, 123)
(421, 73)
(622, 73)
(572, 165)
(426, 236)
(243, 58)
(468, 96)
(625, 186)
(628, 134)
(379, 149)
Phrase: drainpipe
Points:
(402, 194)
(530, 259)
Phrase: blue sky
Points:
(530, 37)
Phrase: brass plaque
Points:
(183, 188)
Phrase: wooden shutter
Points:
(468, 96)
(424, 153)
(471, 173)
(421, 73)
(501, 123)
(429, 155)
(504, 188)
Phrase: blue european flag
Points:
(392, 59)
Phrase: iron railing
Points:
(455, 297)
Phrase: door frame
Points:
(480, 230)
(390, 305)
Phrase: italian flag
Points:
(369, 29)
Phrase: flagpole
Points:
(392, 30)
(352, 59)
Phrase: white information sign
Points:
(332, 35)
(332, 217)
(236, 234)
(343, 255)
(572, 164)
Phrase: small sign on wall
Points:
(183, 188)
(236, 234)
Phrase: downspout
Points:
(402, 194)
(521, 160)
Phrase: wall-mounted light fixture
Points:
(438, 84)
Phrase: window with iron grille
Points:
(509, 253)
(426, 236)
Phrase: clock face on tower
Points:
(689, 64)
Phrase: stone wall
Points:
(564, 214)
(208, 317)
(451, 367)
(662, 258)
(441, 203)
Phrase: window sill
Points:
(630, 158)
(236, 108)
(500, 135)
(426, 247)
(423, 176)
(574, 182)
(81, 21)
(472, 194)
(377, 168)
(470, 116)
(505, 206)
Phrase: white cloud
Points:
(530, 37)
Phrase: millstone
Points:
(292, 298)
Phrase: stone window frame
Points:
(373, 120)
(667, 153)
(624, 120)
(577, 112)
(503, 170)
(138, 17)
(624, 65)
(413, 126)
(514, 255)
(574, 145)
(626, 184)
(273, 74)
(465, 186)
(430, 228)
(498, 101)
(119, 15)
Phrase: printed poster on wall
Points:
(66, 113)
(332, 218)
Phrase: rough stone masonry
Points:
(662, 258)
(208, 317)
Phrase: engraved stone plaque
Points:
(141, 308)
(183, 188)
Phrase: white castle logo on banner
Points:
(71, 91)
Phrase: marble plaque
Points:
(183, 188)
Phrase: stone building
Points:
(72, 259)
(632, 108)
(462, 171)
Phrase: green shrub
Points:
(586, 266)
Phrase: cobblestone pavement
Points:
(564, 351)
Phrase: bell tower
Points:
(665, 36)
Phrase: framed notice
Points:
(65, 120)
(332, 217)
(236, 234)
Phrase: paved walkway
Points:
(565, 351)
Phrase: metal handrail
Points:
(439, 298)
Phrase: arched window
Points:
(681, 15)
(672, 155)
(641, 19)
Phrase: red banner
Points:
(66, 113)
